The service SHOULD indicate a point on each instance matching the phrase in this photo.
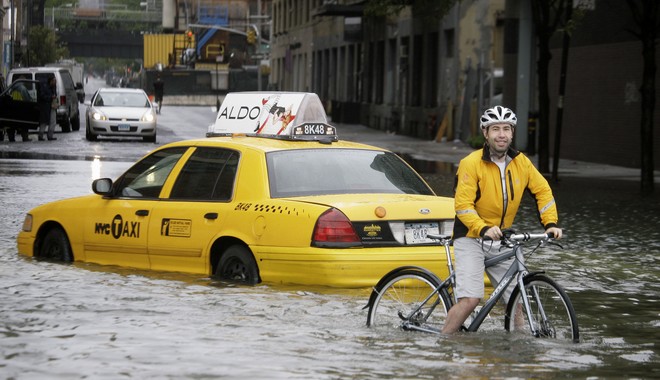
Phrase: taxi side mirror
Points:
(102, 186)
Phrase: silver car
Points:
(121, 112)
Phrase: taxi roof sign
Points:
(290, 115)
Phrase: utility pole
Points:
(258, 45)
(12, 31)
(562, 90)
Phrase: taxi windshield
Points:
(306, 172)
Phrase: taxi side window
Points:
(146, 178)
(208, 175)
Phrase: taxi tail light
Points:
(62, 99)
(333, 228)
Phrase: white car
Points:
(121, 112)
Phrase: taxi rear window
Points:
(306, 172)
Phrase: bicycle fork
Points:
(543, 323)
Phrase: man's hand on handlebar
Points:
(555, 231)
(493, 233)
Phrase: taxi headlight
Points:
(27, 223)
(96, 115)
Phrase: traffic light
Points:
(251, 36)
(189, 35)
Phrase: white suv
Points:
(68, 115)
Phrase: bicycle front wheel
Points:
(552, 312)
(408, 300)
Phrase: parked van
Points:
(68, 115)
(77, 71)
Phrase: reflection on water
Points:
(63, 320)
(96, 168)
(86, 320)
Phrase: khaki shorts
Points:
(470, 255)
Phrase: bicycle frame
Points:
(517, 271)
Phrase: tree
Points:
(646, 16)
(427, 10)
(548, 16)
(43, 47)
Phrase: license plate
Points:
(416, 232)
(123, 127)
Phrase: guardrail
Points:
(53, 15)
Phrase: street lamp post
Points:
(259, 46)
(12, 31)
(218, 58)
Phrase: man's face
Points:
(499, 137)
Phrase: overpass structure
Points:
(104, 44)
(108, 32)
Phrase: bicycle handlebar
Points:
(527, 236)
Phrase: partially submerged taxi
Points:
(270, 195)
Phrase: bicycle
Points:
(415, 299)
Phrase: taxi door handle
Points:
(142, 212)
(211, 215)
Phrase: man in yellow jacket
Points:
(490, 184)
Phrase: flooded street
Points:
(90, 321)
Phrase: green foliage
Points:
(476, 141)
(428, 10)
(44, 47)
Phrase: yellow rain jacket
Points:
(479, 200)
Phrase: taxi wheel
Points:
(55, 246)
(237, 264)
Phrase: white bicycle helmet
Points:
(497, 115)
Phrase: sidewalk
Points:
(73, 145)
(453, 152)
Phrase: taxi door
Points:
(116, 232)
(184, 224)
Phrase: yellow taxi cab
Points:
(271, 194)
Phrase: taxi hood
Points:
(271, 114)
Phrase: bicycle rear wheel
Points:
(553, 315)
(407, 300)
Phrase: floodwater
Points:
(88, 321)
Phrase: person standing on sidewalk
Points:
(490, 183)
(47, 108)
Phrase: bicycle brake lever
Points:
(552, 242)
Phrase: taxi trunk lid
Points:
(383, 219)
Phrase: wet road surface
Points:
(89, 321)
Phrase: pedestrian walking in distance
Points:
(48, 104)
